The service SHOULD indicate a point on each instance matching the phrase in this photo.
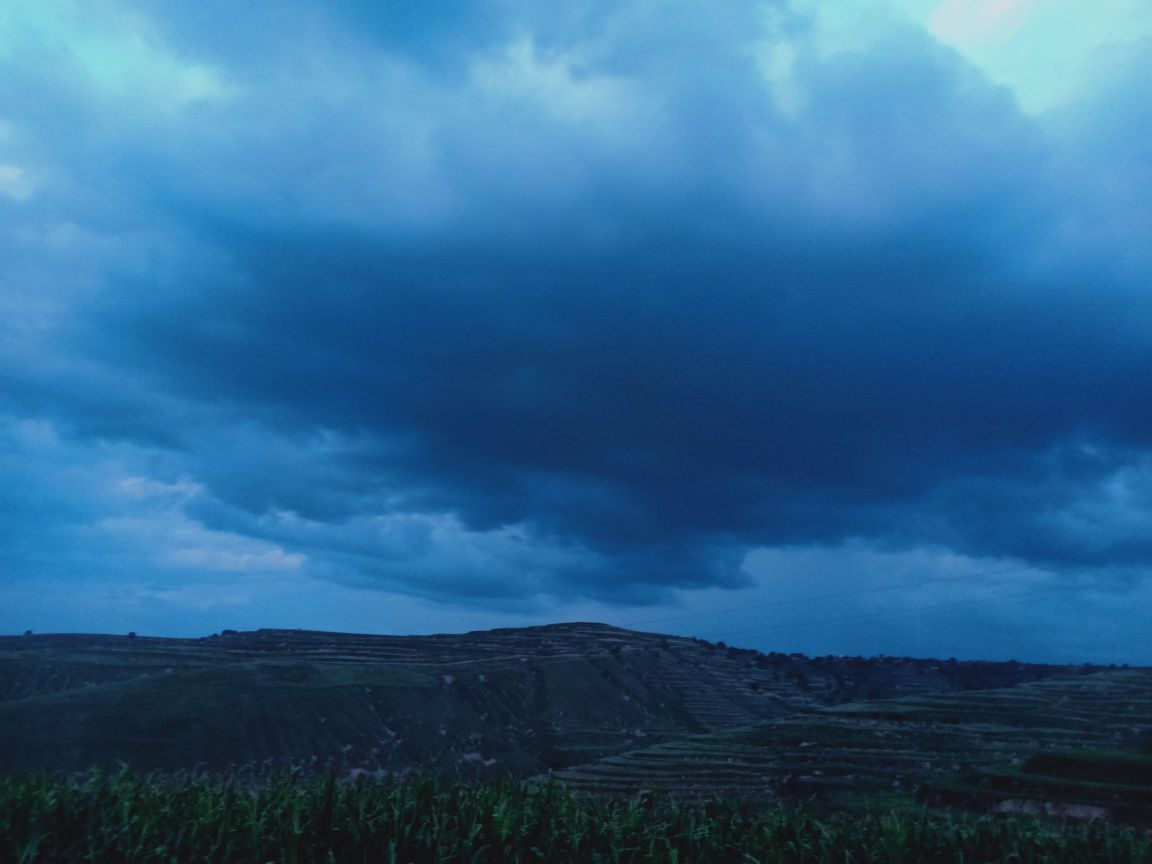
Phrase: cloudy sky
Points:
(820, 327)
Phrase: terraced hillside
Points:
(515, 701)
(1075, 745)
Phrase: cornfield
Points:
(122, 817)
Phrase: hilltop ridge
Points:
(513, 701)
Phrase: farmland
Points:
(574, 742)
(514, 702)
(1073, 745)
(121, 818)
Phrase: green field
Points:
(572, 743)
(124, 818)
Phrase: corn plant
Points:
(122, 818)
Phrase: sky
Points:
(818, 327)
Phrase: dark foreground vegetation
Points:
(122, 817)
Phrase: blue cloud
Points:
(492, 303)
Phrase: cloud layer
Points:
(495, 303)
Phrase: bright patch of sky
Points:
(116, 53)
(1046, 51)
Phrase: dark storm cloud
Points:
(589, 302)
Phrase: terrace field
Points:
(511, 702)
(634, 746)
(1065, 746)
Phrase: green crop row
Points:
(126, 818)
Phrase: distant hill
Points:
(512, 701)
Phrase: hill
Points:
(508, 702)
(1067, 746)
